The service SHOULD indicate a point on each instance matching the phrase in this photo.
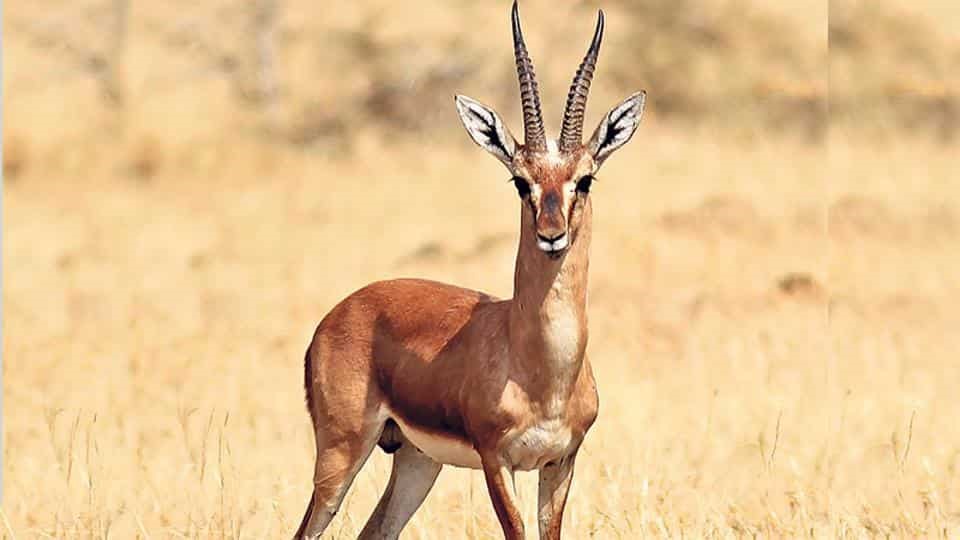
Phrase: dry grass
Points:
(773, 316)
(895, 68)
(154, 336)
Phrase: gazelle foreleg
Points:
(555, 479)
(410, 481)
(500, 484)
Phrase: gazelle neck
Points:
(548, 315)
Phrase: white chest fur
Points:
(563, 347)
(540, 443)
(562, 333)
(528, 448)
(563, 323)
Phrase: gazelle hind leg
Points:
(337, 465)
(306, 518)
(410, 481)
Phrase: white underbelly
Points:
(442, 449)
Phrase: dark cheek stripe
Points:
(533, 206)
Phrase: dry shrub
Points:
(16, 157)
(146, 157)
(800, 285)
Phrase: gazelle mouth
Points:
(553, 248)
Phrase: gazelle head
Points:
(553, 177)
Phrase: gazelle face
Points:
(554, 188)
(554, 184)
(553, 178)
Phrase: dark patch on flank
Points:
(307, 376)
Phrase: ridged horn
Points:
(533, 133)
(571, 133)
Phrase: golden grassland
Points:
(759, 372)
(773, 312)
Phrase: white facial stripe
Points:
(536, 191)
(569, 192)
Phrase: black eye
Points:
(523, 187)
(583, 184)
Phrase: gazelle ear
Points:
(486, 129)
(617, 127)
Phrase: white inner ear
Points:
(617, 127)
(485, 128)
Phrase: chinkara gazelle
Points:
(435, 374)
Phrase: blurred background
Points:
(190, 187)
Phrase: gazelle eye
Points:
(583, 184)
(523, 187)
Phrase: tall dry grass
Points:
(772, 305)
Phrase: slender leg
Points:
(500, 485)
(306, 518)
(555, 481)
(413, 475)
(337, 465)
